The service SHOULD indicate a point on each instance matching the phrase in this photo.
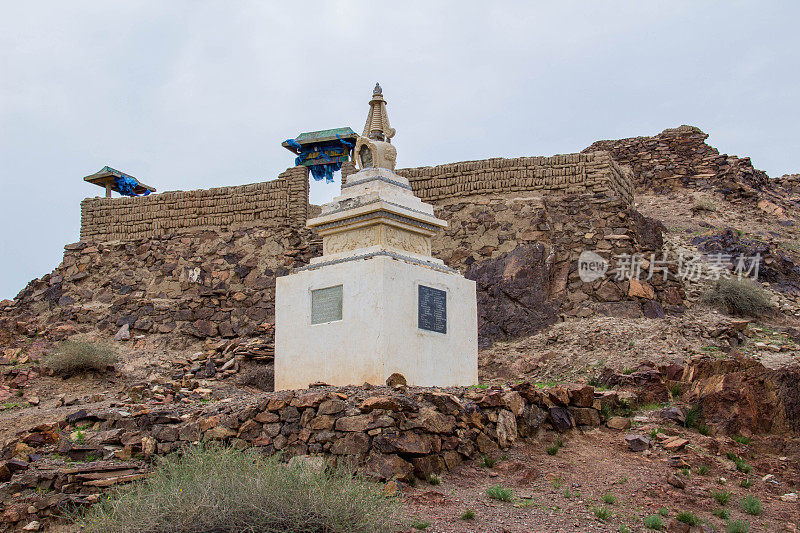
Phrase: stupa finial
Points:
(373, 148)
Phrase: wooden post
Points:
(108, 189)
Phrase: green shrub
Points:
(722, 513)
(469, 514)
(741, 464)
(81, 354)
(489, 462)
(653, 522)
(434, 479)
(215, 488)
(602, 513)
(420, 525)
(610, 499)
(499, 492)
(746, 483)
(741, 439)
(664, 511)
(722, 496)
(738, 526)
(751, 505)
(701, 470)
(552, 449)
(740, 297)
(688, 518)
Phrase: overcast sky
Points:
(187, 95)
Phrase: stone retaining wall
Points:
(388, 433)
(281, 202)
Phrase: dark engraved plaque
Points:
(326, 305)
(432, 309)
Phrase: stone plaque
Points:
(326, 305)
(432, 309)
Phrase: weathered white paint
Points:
(378, 333)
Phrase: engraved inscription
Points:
(326, 305)
(432, 309)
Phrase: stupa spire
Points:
(377, 126)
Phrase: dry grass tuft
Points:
(702, 202)
(210, 489)
(740, 297)
(82, 354)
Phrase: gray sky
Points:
(188, 95)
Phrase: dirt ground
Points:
(563, 491)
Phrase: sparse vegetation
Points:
(602, 513)
(488, 461)
(722, 496)
(721, 513)
(751, 505)
(701, 202)
(740, 297)
(688, 518)
(738, 526)
(746, 483)
(741, 439)
(421, 525)
(82, 354)
(610, 499)
(434, 479)
(221, 489)
(653, 522)
(701, 470)
(553, 448)
(664, 511)
(469, 514)
(741, 464)
(693, 416)
(498, 492)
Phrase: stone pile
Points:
(392, 433)
(680, 157)
(218, 285)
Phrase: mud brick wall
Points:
(560, 174)
(281, 202)
(680, 157)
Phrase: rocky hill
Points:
(635, 392)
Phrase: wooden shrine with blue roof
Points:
(324, 151)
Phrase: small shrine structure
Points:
(376, 305)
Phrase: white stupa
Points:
(376, 303)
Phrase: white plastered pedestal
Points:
(378, 334)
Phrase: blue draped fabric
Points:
(320, 152)
(127, 186)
